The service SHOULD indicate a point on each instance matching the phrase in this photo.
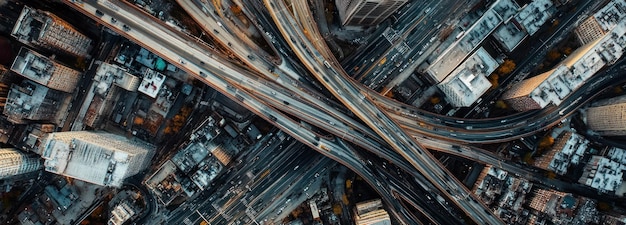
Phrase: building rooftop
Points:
(207, 171)
(568, 150)
(33, 66)
(164, 183)
(14, 162)
(121, 213)
(151, 83)
(366, 12)
(571, 153)
(31, 101)
(504, 194)
(569, 75)
(47, 30)
(108, 74)
(63, 198)
(509, 35)
(190, 156)
(607, 116)
(617, 155)
(535, 14)
(371, 213)
(611, 14)
(42, 70)
(99, 158)
(603, 174)
(468, 81)
(465, 43)
(505, 9)
(149, 59)
(490, 184)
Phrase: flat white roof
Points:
(611, 14)
(151, 83)
(456, 53)
(535, 14)
(509, 35)
(468, 81)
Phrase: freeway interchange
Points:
(272, 90)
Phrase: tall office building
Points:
(597, 25)
(603, 174)
(44, 29)
(608, 117)
(42, 70)
(14, 162)
(589, 30)
(30, 101)
(557, 84)
(371, 213)
(366, 12)
(96, 157)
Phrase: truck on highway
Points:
(327, 64)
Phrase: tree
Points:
(235, 9)
(567, 51)
(603, 206)
(554, 55)
(434, 100)
(337, 209)
(389, 94)
(546, 142)
(501, 104)
(296, 213)
(81, 63)
(528, 158)
(507, 67)
(494, 79)
(138, 120)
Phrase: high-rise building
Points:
(96, 157)
(555, 85)
(601, 22)
(463, 43)
(42, 70)
(14, 162)
(371, 213)
(30, 101)
(106, 86)
(366, 12)
(603, 174)
(122, 213)
(608, 117)
(589, 30)
(567, 151)
(542, 197)
(28, 137)
(44, 29)
(469, 81)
